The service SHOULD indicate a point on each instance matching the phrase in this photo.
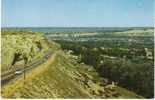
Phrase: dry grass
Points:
(56, 79)
(45, 81)
(9, 90)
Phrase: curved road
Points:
(11, 74)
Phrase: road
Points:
(11, 74)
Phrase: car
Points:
(18, 72)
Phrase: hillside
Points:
(136, 32)
(61, 76)
(22, 47)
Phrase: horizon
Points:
(82, 13)
(79, 27)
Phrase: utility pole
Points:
(25, 64)
(24, 73)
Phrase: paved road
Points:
(11, 74)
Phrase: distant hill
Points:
(136, 32)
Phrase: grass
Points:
(56, 79)
(45, 81)
(127, 94)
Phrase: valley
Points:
(86, 62)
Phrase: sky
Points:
(77, 13)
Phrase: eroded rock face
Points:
(18, 47)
